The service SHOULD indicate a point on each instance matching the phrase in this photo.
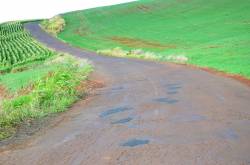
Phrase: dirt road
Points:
(147, 113)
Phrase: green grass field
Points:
(214, 34)
(20, 80)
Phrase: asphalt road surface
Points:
(146, 113)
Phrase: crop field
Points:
(18, 47)
(213, 34)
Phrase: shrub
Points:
(54, 25)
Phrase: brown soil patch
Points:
(139, 43)
(212, 47)
(143, 8)
(137, 8)
(239, 78)
(88, 86)
(233, 76)
(83, 31)
(3, 92)
(25, 91)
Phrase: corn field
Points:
(17, 46)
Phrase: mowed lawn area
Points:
(214, 34)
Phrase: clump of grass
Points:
(141, 54)
(54, 25)
(176, 58)
(114, 52)
(53, 93)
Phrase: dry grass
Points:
(54, 25)
(141, 54)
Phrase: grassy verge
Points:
(41, 89)
(141, 54)
(212, 34)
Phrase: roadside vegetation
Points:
(38, 82)
(212, 34)
(141, 54)
(54, 25)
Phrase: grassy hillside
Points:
(213, 33)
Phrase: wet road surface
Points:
(147, 113)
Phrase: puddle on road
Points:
(117, 88)
(114, 110)
(132, 126)
(141, 79)
(172, 92)
(187, 118)
(229, 134)
(173, 86)
(135, 142)
(166, 100)
(122, 121)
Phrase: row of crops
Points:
(17, 46)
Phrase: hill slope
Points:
(213, 34)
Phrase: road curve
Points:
(147, 113)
